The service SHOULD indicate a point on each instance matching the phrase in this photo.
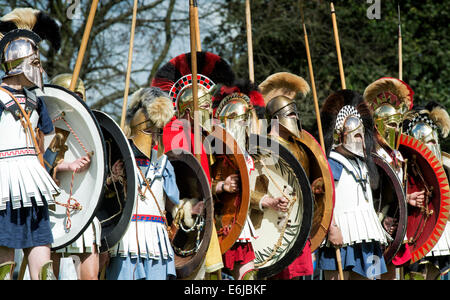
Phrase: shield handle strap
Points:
(30, 127)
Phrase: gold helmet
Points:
(279, 91)
(150, 110)
(175, 77)
(184, 99)
(65, 79)
(389, 99)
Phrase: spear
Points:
(130, 58)
(338, 46)
(400, 56)
(83, 46)
(251, 72)
(197, 28)
(192, 26)
(311, 76)
(341, 72)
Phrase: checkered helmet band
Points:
(343, 114)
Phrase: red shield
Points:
(425, 172)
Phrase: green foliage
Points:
(369, 47)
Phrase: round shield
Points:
(323, 202)
(77, 134)
(116, 206)
(230, 209)
(425, 173)
(191, 227)
(280, 236)
(390, 204)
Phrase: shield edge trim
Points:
(311, 143)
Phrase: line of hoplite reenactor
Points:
(259, 198)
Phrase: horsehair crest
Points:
(343, 114)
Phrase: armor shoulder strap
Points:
(32, 99)
(344, 162)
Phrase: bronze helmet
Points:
(149, 111)
(65, 79)
(279, 91)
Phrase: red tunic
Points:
(301, 266)
(175, 136)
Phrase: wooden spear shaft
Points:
(130, 59)
(83, 46)
(197, 28)
(313, 84)
(338, 47)
(192, 25)
(343, 85)
(251, 71)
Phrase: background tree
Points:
(369, 46)
(161, 32)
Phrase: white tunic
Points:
(354, 212)
(146, 233)
(85, 243)
(22, 176)
(442, 247)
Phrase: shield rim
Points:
(190, 160)
(114, 237)
(63, 245)
(308, 206)
(390, 252)
(311, 143)
(219, 132)
(444, 207)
